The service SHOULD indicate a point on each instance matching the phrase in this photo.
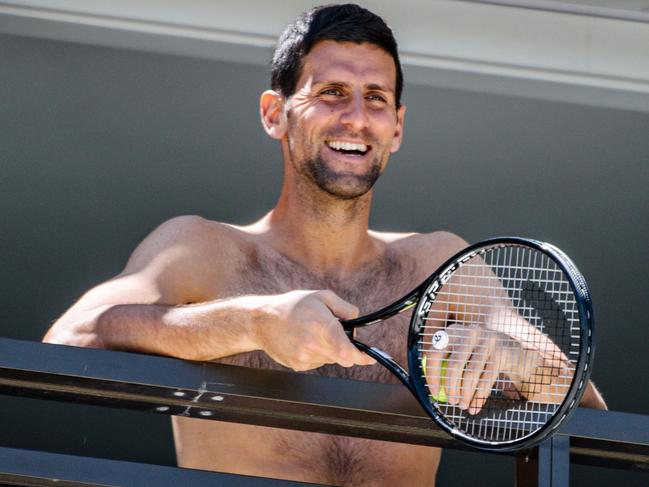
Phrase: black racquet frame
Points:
(413, 379)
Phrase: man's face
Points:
(342, 119)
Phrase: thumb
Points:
(340, 308)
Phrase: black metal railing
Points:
(269, 398)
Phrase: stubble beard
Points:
(341, 185)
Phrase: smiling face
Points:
(342, 122)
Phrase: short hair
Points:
(341, 23)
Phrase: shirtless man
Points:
(271, 294)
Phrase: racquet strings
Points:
(524, 305)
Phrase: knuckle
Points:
(345, 355)
(345, 362)
(326, 293)
(303, 357)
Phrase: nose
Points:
(355, 114)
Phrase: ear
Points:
(398, 131)
(273, 118)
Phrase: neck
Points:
(321, 232)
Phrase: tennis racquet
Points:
(500, 345)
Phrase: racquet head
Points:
(501, 343)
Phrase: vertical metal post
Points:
(527, 468)
(547, 465)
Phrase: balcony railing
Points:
(269, 398)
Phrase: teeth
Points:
(339, 145)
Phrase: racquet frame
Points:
(423, 296)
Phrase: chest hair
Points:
(372, 286)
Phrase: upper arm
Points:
(431, 250)
(168, 267)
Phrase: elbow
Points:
(592, 398)
(79, 333)
(72, 337)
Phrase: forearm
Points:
(205, 331)
(298, 329)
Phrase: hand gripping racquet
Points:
(500, 344)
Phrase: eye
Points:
(376, 97)
(331, 92)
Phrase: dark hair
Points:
(342, 23)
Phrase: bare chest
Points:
(312, 456)
(373, 286)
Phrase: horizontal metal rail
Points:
(33, 468)
(280, 399)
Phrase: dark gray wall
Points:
(98, 146)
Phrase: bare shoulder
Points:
(428, 249)
(189, 252)
(185, 235)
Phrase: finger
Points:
(475, 368)
(338, 306)
(472, 373)
(454, 373)
(457, 363)
(485, 384)
(359, 357)
(362, 358)
(365, 359)
(301, 361)
(341, 350)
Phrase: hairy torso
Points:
(264, 271)
(315, 457)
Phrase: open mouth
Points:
(349, 148)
